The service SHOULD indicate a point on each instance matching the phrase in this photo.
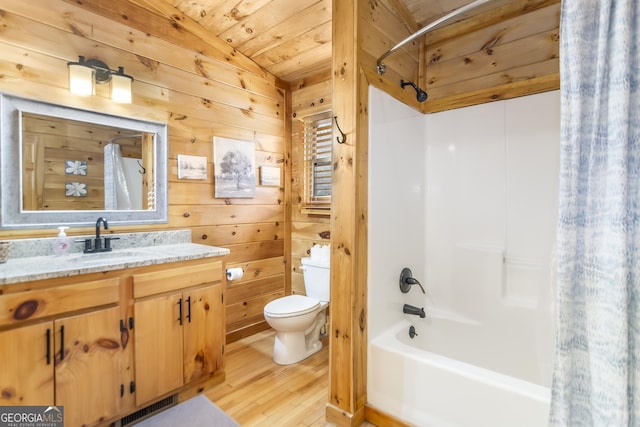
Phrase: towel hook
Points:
(142, 169)
(344, 137)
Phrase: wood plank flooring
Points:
(259, 393)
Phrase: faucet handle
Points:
(87, 244)
(107, 242)
(407, 280)
(413, 281)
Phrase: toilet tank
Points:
(317, 278)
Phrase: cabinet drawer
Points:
(172, 279)
(47, 302)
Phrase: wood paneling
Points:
(196, 83)
(289, 39)
(380, 30)
(508, 51)
(306, 230)
(505, 49)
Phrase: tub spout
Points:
(410, 309)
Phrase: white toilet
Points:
(297, 319)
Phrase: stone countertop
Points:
(27, 269)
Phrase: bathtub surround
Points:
(596, 380)
(431, 386)
(474, 202)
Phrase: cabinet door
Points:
(89, 356)
(203, 332)
(158, 346)
(26, 375)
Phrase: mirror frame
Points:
(11, 214)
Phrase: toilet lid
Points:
(292, 305)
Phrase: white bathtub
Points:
(448, 376)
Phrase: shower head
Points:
(421, 95)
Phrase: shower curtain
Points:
(597, 370)
(116, 190)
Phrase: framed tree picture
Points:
(234, 168)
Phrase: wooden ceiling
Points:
(289, 38)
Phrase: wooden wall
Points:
(501, 52)
(508, 51)
(381, 25)
(307, 229)
(201, 88)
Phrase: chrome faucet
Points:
(410, 309)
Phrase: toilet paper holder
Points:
(234, 273)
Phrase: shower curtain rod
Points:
(383, 68)
(118, 138)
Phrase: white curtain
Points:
(116, 190)
(597, 372)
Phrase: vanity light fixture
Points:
(84, 74)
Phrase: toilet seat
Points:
(290, 306)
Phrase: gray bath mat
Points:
(198, 411)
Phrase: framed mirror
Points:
(66, 166)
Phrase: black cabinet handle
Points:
(48, 346)
(180, 305)
(189, 309)
(61, 342)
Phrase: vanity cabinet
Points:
(89, 362)
(179, 328)
(73, 360)
(106, 344)
(26, 377)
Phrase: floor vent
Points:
(148, 411)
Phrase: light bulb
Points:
(81, 79)
(121, 87)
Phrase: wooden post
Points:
(148, 179)
(347, 378)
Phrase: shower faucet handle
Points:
(407, 280)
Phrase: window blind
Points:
(318, 131)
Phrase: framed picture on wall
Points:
(234, 167)
(270, 176)
(192, 167)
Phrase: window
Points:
(317, 160)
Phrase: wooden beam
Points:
(400, 10)
(347, 378)
(497, 93)
(287, 191)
